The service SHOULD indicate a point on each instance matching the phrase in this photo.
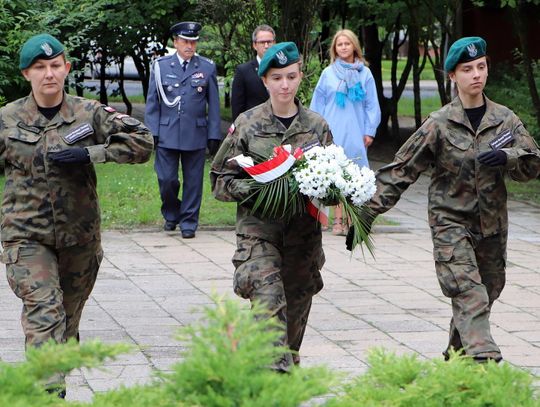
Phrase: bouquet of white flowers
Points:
(323, 175)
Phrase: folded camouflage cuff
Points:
(97, 153)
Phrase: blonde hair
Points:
(353, 39)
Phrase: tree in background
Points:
(519, 10)
(17, 23)
(228, 25)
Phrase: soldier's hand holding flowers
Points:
(289, 185)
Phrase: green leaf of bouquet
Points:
(357, 217)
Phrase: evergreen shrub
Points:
(407, 381)
(226, 363)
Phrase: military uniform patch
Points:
(33, 129)
(109, 109)
(231, 129)
(78, 134)
(309, 146)
(130, 121)
(501, 140)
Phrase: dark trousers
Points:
(185, 211)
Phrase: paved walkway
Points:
(151, 282)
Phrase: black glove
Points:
(493, 158)
(213, 146)
(75, 155)
(367, 219)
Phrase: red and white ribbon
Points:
(267, 171)
(317, 210)
(279, 164)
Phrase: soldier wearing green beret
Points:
(277, 262)
(50, 228)
(470, 144)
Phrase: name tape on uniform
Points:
(501, 140)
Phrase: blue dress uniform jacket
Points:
(195, 119)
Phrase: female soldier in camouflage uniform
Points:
(470, 144)
(50, 212)
(277, 263)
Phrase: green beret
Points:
(41, 46)
(279, 56)
(464, 50)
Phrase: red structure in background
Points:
(495, 25)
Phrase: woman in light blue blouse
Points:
(346, 97)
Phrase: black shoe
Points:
(169, 226)
(188, 234)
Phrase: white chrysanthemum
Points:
(328, 169)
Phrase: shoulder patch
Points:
(231, 129)
(206, 59)
(108, 108)
(130, 121)
(164, 57)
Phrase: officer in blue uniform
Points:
(182, 111)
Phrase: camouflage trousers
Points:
(53, 285)
(283, 279)
(471, 272)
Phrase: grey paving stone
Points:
(153, 283)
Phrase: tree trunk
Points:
(325, 31)
(143, 69)
(414, 56)
(373, 53)
(125, 99)
(520, 24)
(297, 21)
(397, 87)
(102, 73)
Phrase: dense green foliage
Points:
(226, 363)
(20, 384)
(507, 85)
(382, 26)
(399, 381)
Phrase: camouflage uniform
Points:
(467, 209)
(277, 263)
(50, 228)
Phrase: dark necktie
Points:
(184, 65)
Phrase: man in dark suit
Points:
(247, 88)
(182, 111)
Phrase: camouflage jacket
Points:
(57, 204)
(255, 133)
(462, 191)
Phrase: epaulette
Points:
(206, 59)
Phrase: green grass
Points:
(129, 196)
(524, 191)
(406, 106)
(427, 73)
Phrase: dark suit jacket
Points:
(247, 89)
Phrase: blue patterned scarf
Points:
(349, 86)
